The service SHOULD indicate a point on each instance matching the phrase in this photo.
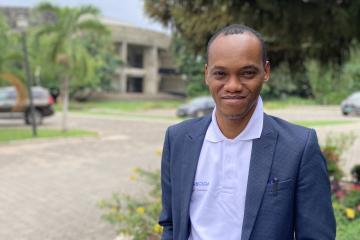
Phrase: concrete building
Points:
(148, 66)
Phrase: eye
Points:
(248, 73)
(219, 74)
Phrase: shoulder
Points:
(192, 127)
(290, 132)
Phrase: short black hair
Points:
(238, 29)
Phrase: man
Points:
(239, 173)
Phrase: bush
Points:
(326, 82)
(136, 216)
(352, 199)
(333, 149)
(347, 227)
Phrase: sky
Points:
(128, 11)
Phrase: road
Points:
(49, 188)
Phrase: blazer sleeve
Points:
(314, 213)
(166, 213)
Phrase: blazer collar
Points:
(190, 156)
(260, 166)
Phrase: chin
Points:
(232, 116)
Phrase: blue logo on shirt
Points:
(201, 184)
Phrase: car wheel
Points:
(37, 116)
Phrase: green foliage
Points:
(346, 228)
(74, 38)
(351, 69)
(329, 85)
(136, 217)
(335, 146)
(12, 134)
(191, 66)
(352, 199)
(123, 106)
(320, 123)
(287, 26)
(280, 84)
(288, 30)
(11, 58)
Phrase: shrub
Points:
(335, 146)
(136, 216)
(352, 199)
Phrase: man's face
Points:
(235, 73)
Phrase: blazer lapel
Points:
(192, 146)
(260, 166)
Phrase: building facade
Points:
(148, 66)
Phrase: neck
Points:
(231, 127)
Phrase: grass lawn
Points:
(11, 134)
(291, 101)
(122, 106)
(320, 123)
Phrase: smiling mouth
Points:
(232, 97)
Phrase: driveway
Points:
(49, 188)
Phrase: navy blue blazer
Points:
(300, 208)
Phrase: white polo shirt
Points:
(218, 198)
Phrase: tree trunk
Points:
(65, 98)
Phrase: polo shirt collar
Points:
(251, 131)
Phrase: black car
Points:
(351, 104)
(12, 106)
(198, 107)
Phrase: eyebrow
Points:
(247, 67)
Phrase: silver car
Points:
(351, 105)
(12, 107)
(198, 107)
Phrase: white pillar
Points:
(151, 80)
(123, 57)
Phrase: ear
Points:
(267, 71)
(206, 73)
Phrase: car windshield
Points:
(2, 95)
(6, 94)
(355, 96)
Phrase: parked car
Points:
(198, 107)
(11, 106)
(351, 104)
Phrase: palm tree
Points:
(10, 54)
(69, 25)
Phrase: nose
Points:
(233, 84)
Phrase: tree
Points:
(293, 30)
(191, 67)
(67, 51)
(10, 57)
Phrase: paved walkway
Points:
(49, 188)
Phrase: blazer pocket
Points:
(282, 185)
